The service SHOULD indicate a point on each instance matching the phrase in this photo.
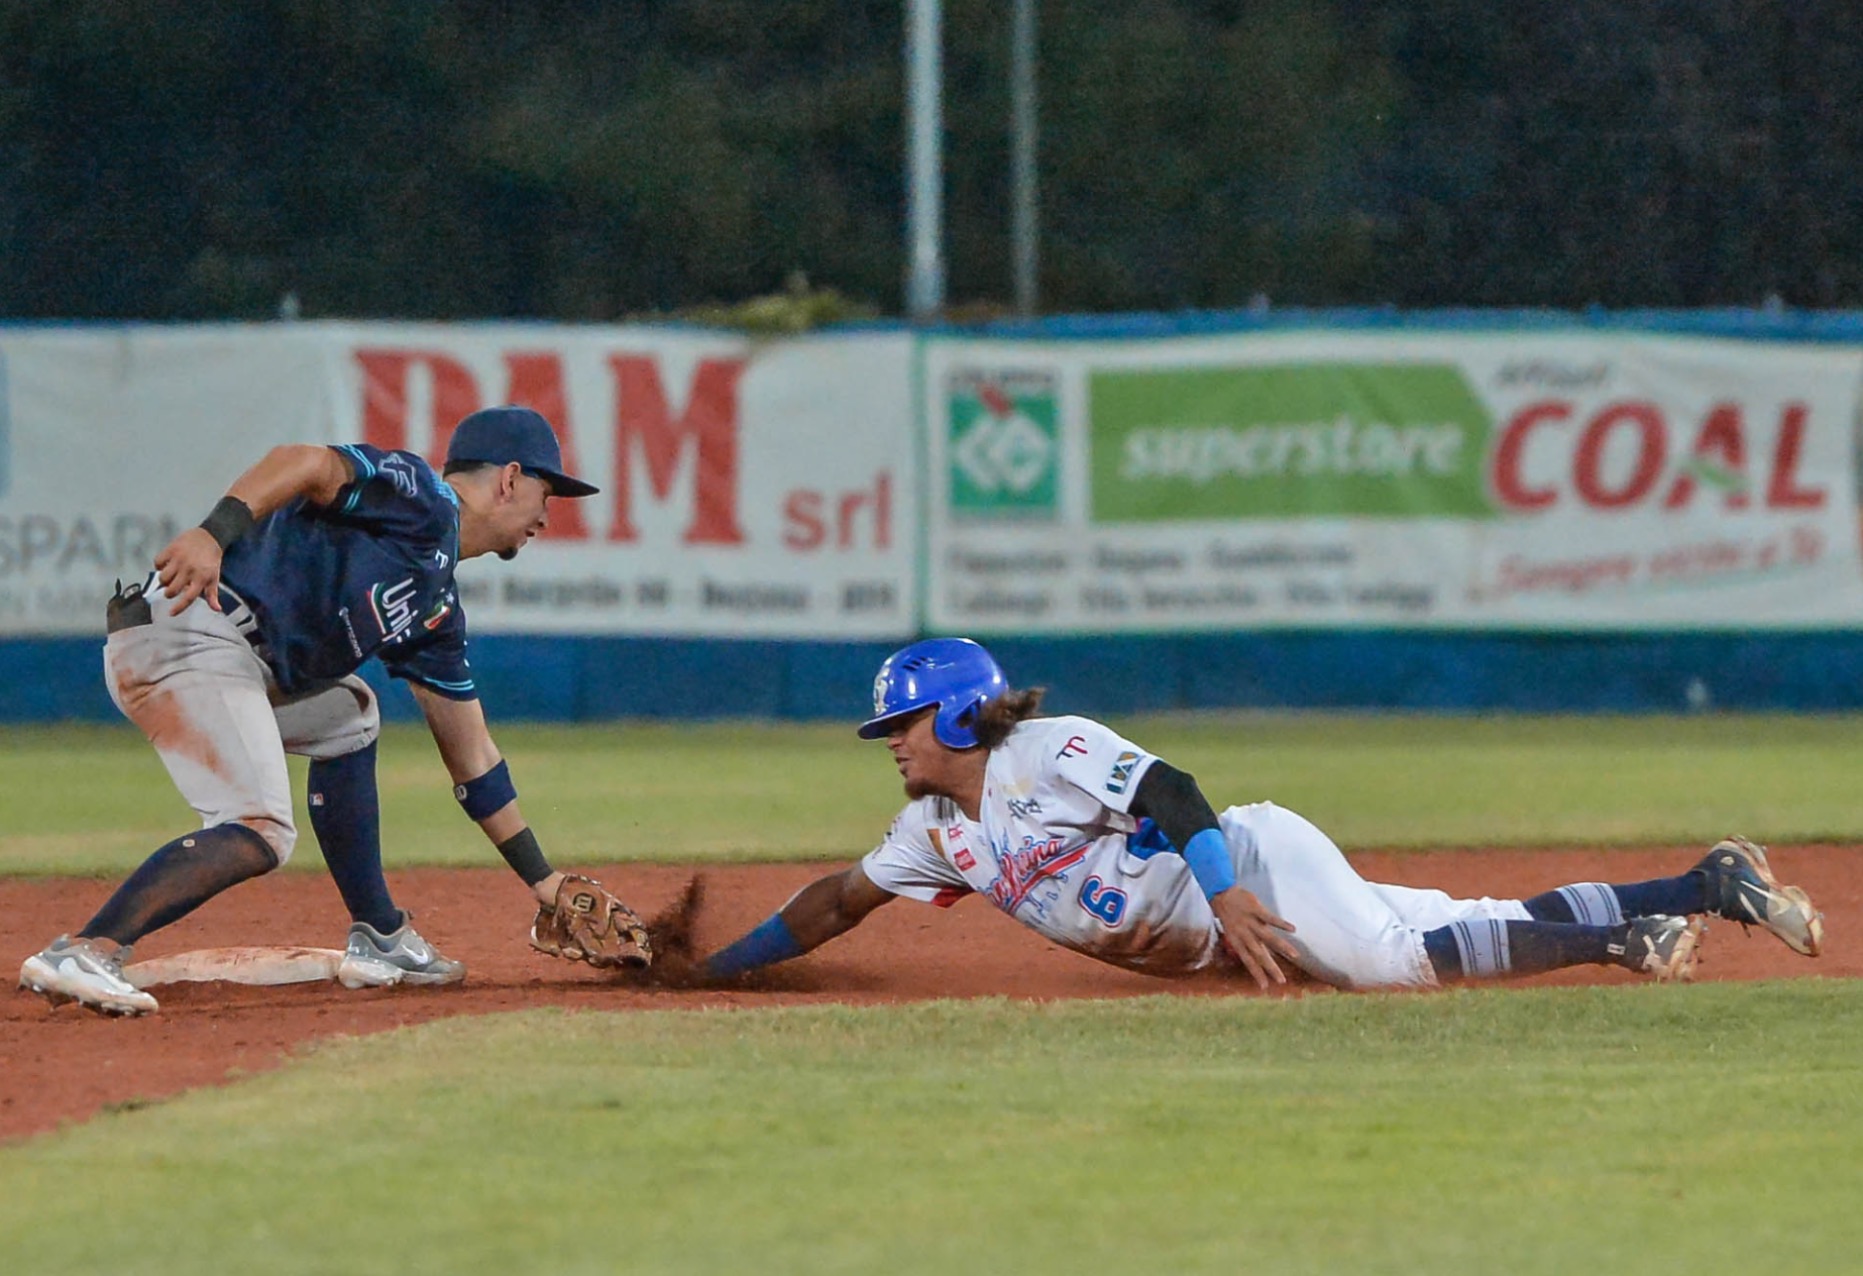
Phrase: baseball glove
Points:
(586, 923)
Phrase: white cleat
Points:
(87, 971)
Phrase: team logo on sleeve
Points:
(1122, 772)
(1076, 747)
(400, 470)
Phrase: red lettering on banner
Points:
(1722, 439)
(1784, 492)
(536, 382)
(1508, 484)
(805, 525)
(385, 378)
(1651, 448)
(1718, 457)
(880, 499)
(709, 423)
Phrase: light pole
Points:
(924, 160)
(1025, 227)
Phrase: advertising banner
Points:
(749, 489)
(1468, 480)
(113, 440)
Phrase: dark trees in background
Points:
(594, 159)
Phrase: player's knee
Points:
(369, 712)
(278, 833)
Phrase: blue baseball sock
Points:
(1486, 948)
(178, 879)
(1605, 904)
(346, 813)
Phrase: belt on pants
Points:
(241, 616)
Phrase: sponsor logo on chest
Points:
(393, 606)
(954, 842)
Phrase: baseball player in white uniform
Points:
(1109, 850)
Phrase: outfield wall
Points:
(1339, 510)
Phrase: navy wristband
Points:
(489, 794)
(525, 857)
(770, 943)
(1208, 857)
(230, 519)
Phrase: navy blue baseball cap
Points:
(505, 434)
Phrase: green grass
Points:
(1652, 1129)
(1641, 1128)
(95, 799)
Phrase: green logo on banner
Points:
(1004, 446)
(1380, 439)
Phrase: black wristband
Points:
(231, 519)
(525, 857)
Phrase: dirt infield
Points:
(66, 1064)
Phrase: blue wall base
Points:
(583, 679)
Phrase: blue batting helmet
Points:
(955, 674)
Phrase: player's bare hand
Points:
(1254, 934)
(544, 892)
(190, 568)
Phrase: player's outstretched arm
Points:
(826, 907)
(482, 783)
(189, 566)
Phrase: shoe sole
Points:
(357, 976)
(1811, 943)
(37, 977)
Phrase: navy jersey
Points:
(370, 574)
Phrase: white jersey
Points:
(1050, 849)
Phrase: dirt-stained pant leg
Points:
(331, 721)
(198, 691)
(1346, 932)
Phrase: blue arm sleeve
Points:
(1171, 799)
(1208, 857)
(770, 943)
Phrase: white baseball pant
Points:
(1349, 932)
(209, 705)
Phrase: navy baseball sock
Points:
(1605, 904)
(1489, 947)
(178, 879)
(346, 814)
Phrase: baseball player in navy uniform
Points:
(1106, 849)
(243, 645)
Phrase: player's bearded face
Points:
(923, 760)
